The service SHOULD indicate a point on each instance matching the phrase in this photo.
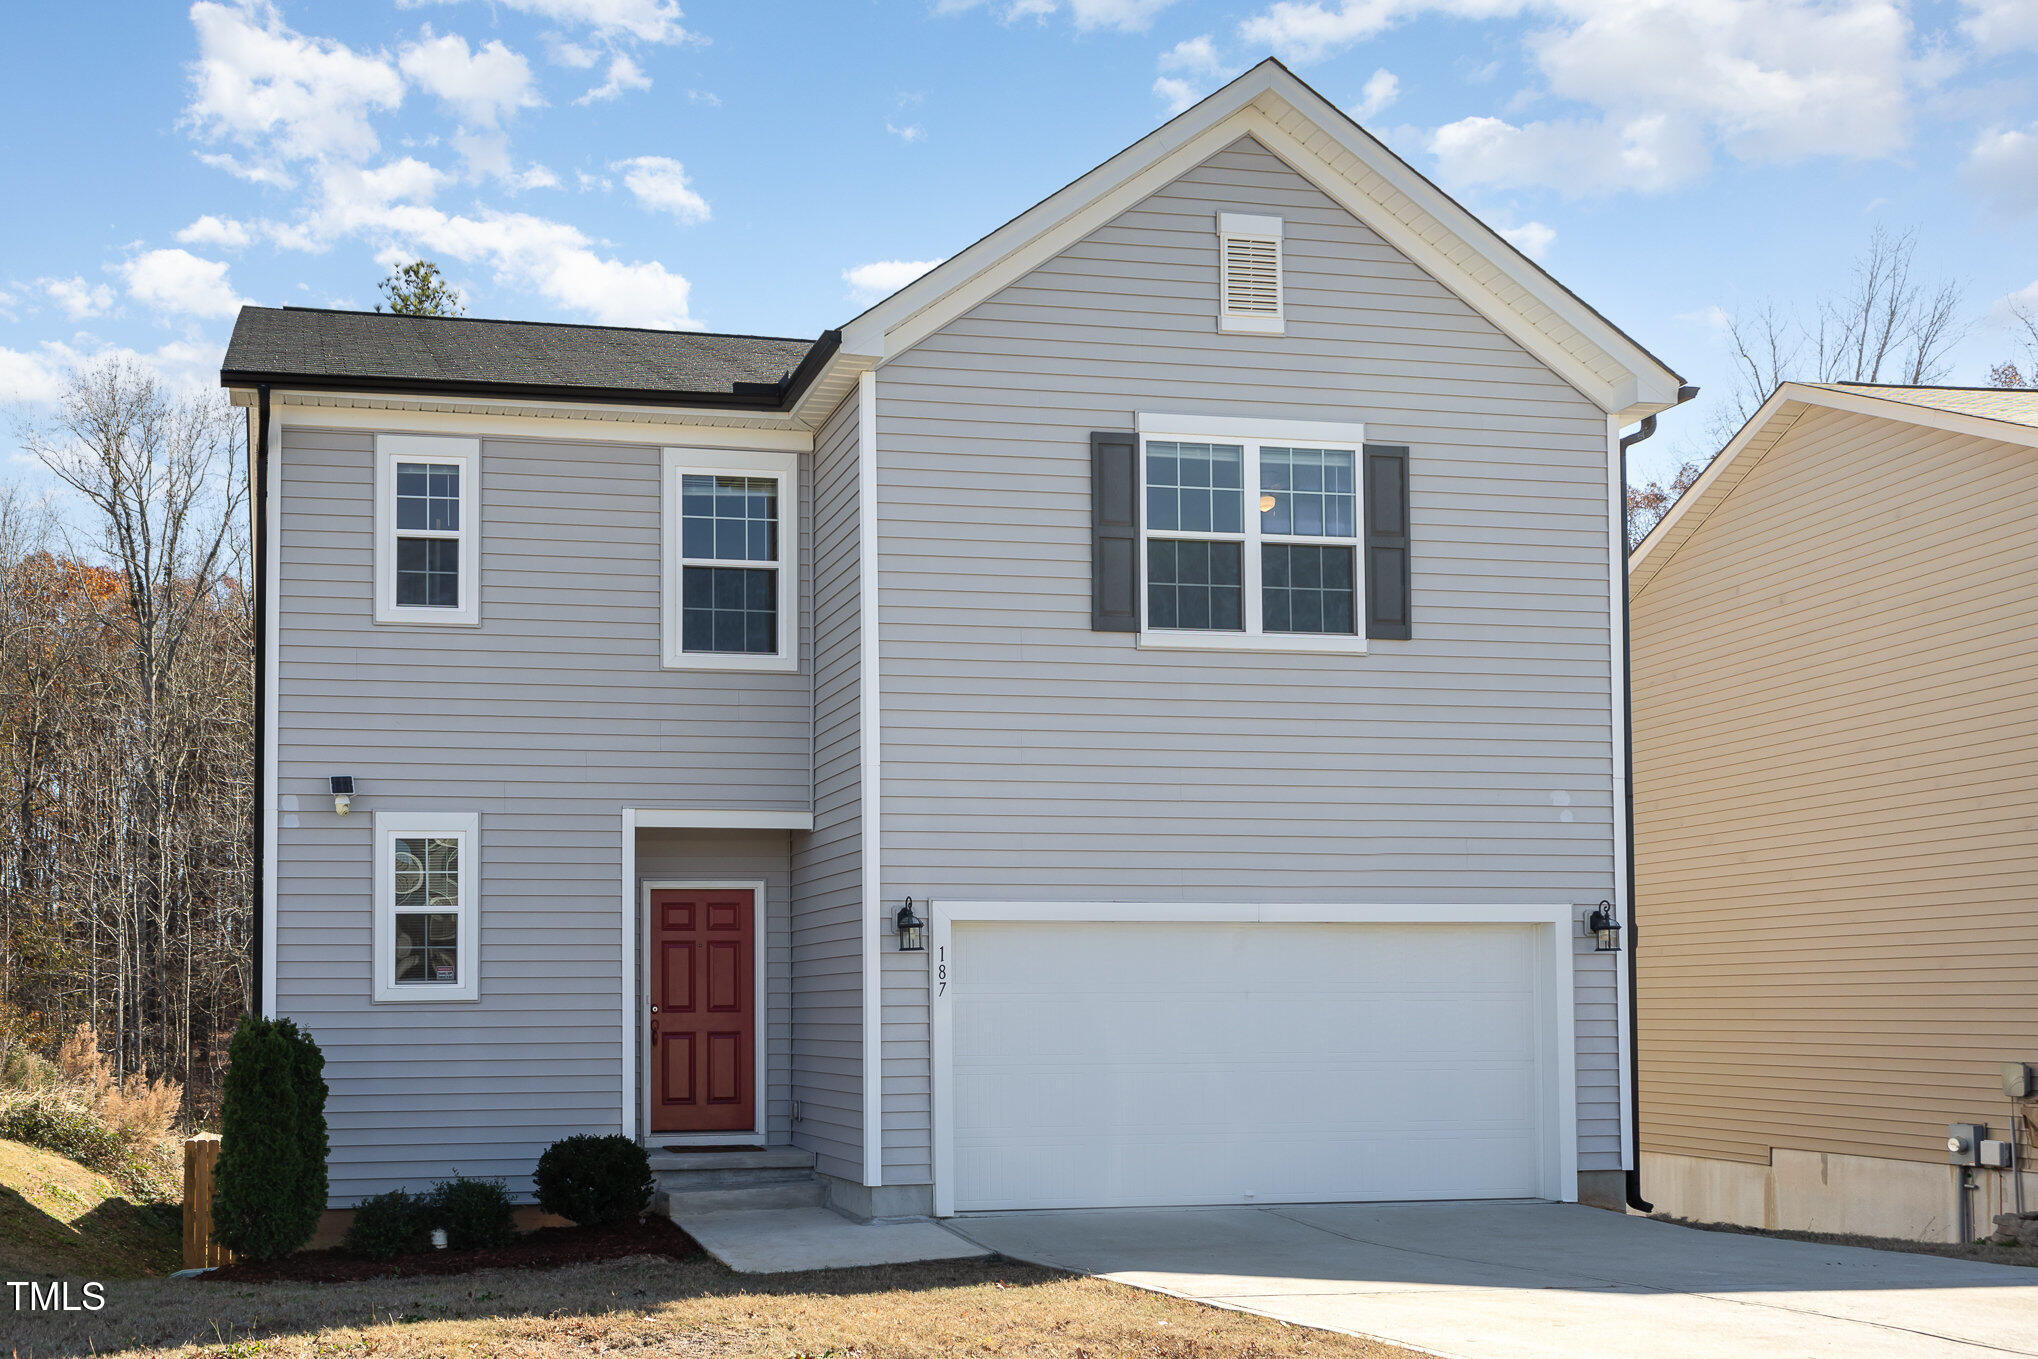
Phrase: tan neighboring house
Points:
(1835, 651)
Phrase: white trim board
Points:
(718, 818)
(1558, 1176)
(272, 700)
(869, 774)
(558, 424)
(1616, 589)
(759, 1003)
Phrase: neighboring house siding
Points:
(739, 856)
(1028, 757)
(547, 720)
(827, 941)
(1835, 755)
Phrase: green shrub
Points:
(388, 1225)
(595, 1181)
(270, 1184)
(475, 1213)
(46, 1118)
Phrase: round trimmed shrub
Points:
(270, 1184)
(594, 1180)
(388, 1225)
(475, 1213)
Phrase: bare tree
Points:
(2024, 334)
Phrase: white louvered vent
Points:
(1249, 286)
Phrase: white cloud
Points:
(577, 55)
(643, 20)
(707, 97)
(1127, 16)
(273, 176)
(1196, 56)
(1382, 88)
(482, 87)
(882, 278)
(1995, 25)
(1578, 156)
(28, 379)
(2002, 169)
(267, 88)
(78, 298)
(223, 232)
(909, 133)
(623, 76)
(1767, 81)
(179, 282)
(1189, 70)
(189, 368)
(660, 184)
(1533, 239)
(532, 177)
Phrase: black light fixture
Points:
(1605, 929)
(912, 929)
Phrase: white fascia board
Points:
(719, 818)
(561, 425)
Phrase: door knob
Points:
(654, 1009)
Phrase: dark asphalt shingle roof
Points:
(424, 352)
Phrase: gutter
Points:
(758, 397)
(1627, 698)
(258, 500)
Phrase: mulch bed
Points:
(547, 1248)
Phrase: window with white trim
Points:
(1250, 534)
(731, 554)
(427, 870)
(427, 529)
(1249, 285)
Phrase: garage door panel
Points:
(1114, 1063)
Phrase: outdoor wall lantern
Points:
(912, 930)
(1605, 929)
(343, 793)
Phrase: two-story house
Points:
(1196, 605)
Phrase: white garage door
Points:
(1109, 1064)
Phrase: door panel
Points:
(703, 1020)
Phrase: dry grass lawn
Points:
(58, 1217)
(651, 1308)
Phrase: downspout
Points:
(258, 501)
(1627, 698)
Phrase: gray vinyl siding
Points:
(827, 947)
(739, 856)
(1027, 757)
(547, 720)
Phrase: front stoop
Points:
(762, 1212)
(727, 1181)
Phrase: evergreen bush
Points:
(270, 1184)
(388, 1225)
(594, 1180)
(475, 1213)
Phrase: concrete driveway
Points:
(1527, 1280)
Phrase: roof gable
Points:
(2012, 417)
(1295, 123)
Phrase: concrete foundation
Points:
(1603, 1189)
(1814, 1191)
(883, 1203)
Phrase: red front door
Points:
(703, 1010)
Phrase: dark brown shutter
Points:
(1387, 613)
(1114, 533)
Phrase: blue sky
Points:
(771, 167)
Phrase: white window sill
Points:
(738, 661)
(403, 996)
(426, 618)
(1251, 325)
(1284, 643)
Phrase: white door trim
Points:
(1557, 1177)
(760, 1091)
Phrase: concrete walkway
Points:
(1541, 1281)
(786, 1240)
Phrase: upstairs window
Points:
(1250, 534)
(1249, 286)
(427, 533)
(425, 933)
(731, 533)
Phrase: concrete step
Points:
(807, 1193)
(757, 1158)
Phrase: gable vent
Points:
(1249, 286)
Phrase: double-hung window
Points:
(731, 558)
(1251, 534)
(427, 529)
(426, 938)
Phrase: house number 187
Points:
(941, 969)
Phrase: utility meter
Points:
(1963, 1143)
(2016, 1080)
